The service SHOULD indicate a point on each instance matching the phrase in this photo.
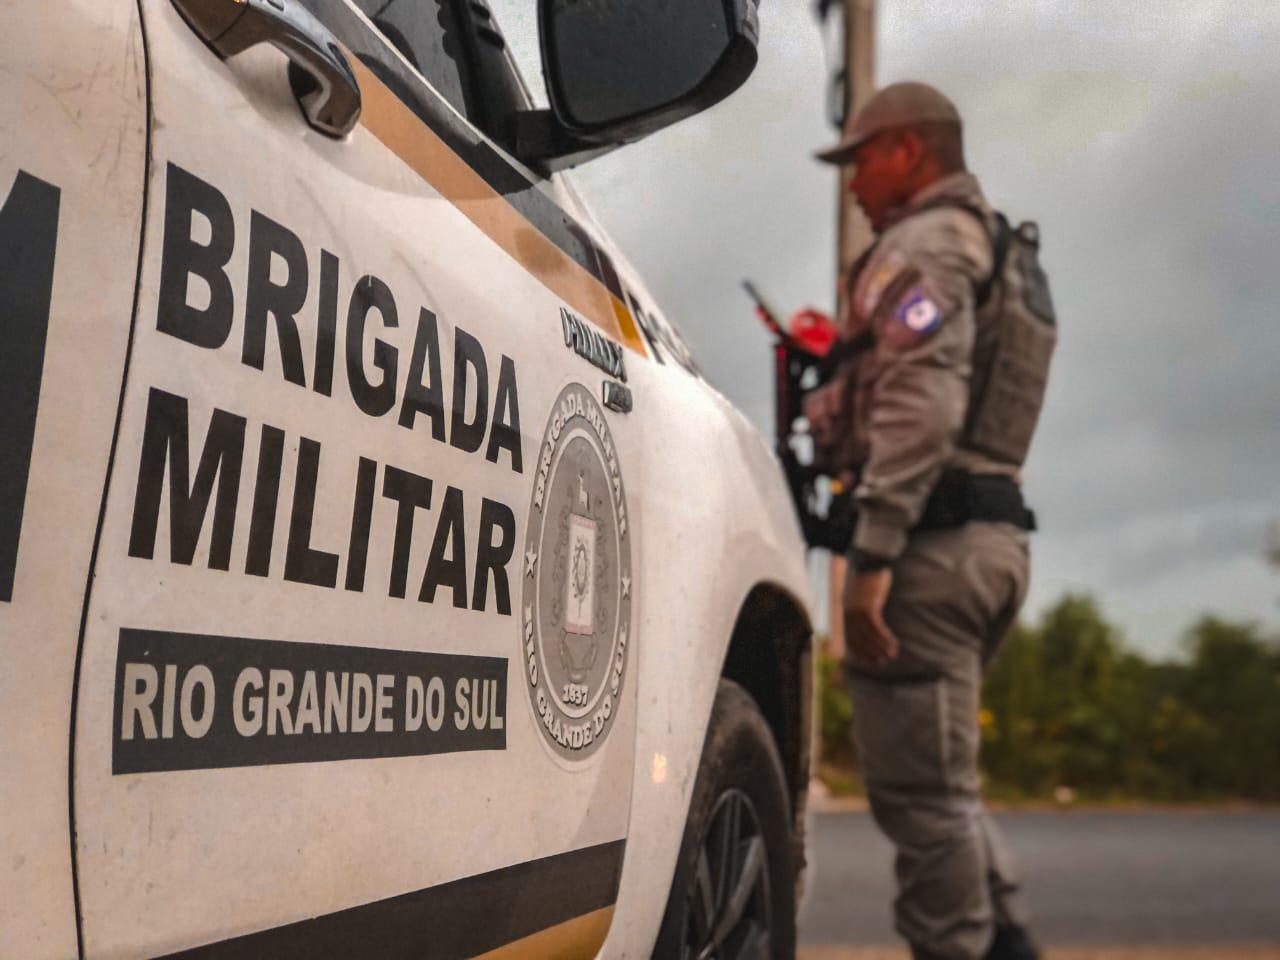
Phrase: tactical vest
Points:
(1016, 331)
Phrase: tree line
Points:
(1067, 704)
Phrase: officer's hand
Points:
(866, 633)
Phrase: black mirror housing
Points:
(618, 70)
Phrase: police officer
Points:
(950, 330)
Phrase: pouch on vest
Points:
(1016, 334)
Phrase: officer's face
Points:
(881, 175)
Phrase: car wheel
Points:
(733, 894)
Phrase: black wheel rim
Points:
(727, 914)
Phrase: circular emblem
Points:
(919, 312)
(576, 604)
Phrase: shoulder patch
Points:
(916, 315)
(918, 311)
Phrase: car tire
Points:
(733, 893)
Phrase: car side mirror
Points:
(618, 70)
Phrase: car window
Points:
(457, 46)
(427, 33)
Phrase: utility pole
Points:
(853, 233)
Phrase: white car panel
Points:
(248, 838)
(72, 199)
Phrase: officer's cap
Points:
(897, 105)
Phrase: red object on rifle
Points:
(813, 331)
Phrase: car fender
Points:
(727, 525)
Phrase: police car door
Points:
(354, 681)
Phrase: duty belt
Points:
(960, 498)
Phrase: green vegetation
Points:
(1067, 705)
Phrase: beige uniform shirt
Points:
(915, 295)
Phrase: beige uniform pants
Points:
(955, 594)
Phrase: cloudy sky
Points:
(1144, 137)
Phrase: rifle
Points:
(824, 508)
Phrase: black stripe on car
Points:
(463, 918)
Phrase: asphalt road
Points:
(1092, 877)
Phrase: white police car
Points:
(378, 578)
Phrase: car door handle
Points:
(328, 93)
